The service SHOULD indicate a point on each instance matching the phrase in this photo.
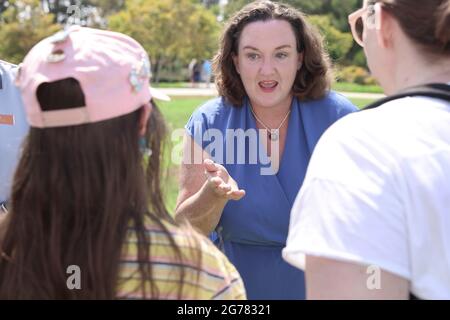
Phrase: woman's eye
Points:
(252, 56)
(281, 55)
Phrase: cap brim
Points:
(158, 95)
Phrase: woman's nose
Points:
(267, 67)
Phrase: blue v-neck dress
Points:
(252, 231)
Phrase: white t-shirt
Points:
(377, 192)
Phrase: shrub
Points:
(355, 74)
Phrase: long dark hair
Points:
(312, 81)
(77, 192)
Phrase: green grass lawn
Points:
(171, 85)
(338, 86)
(360, 103)
(353, 87)
(177, 113)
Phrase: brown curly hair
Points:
(312, 81)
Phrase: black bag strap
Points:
(432, 90)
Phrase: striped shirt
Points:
(208, 274)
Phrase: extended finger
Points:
(236, 194)
(210, 166)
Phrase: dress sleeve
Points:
(197, 125)
(205, 122)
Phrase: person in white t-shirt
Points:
(372, 220)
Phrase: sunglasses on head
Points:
(357, 21)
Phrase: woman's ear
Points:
(143, 121)
(384, 24)
(236, 62)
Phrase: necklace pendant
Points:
(273, 135)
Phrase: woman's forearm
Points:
(203, 209)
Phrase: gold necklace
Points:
(273, 133)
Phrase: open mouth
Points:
(268, 86)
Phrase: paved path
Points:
(212, 92)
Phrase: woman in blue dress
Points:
(246, 152)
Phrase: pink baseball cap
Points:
(112, 69)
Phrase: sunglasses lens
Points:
(359, 28)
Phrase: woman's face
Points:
(267, 62)
(369, 35)
(379, 59)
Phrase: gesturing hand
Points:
(220, 182)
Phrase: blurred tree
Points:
(233, 6)
(170, 30)
(338, 9)
(209, 3)
(108, 7)
(3, 5)
(22, 25)
(84, 12)
(338, 43)
(358, 57)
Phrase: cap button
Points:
(56, 56)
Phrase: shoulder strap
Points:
(433, 90)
